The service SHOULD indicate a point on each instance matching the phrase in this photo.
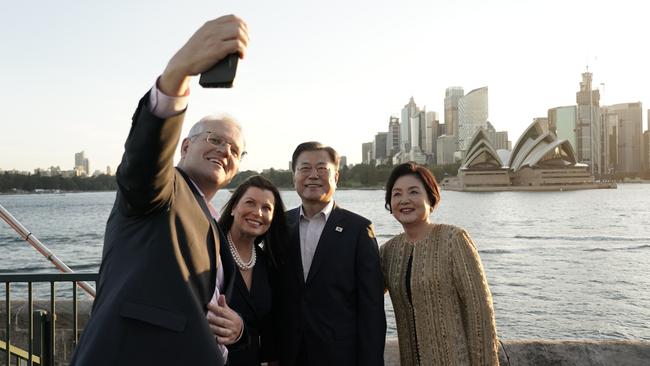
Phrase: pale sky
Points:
(72, 72)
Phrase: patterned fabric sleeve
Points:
(382, 256)
(476, 301)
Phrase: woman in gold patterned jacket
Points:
(443, 306)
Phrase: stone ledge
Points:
(543, 352)
(532, 352)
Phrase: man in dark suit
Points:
(330, 286)
(160, 263)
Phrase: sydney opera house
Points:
(538, 162)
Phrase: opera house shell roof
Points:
(537, 148)
(538, 161)
(481, 154)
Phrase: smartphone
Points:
(222, 74)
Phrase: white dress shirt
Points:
(310, 232)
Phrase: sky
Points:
(72, 72)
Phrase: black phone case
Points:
(222, 74)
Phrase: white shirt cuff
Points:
(163, 106)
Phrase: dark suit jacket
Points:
(337, 316)
(253, 306)
(158, 269)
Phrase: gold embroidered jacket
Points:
(451, 319)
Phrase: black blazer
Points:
(253, 306)
(158, 269)
(336, 316)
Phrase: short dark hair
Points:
(274, 238)
(314, 146)
(418, 171)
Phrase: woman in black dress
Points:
(255, 226)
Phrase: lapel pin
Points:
(339, 229)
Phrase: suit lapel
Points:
(330, 235)
(213, 250)
(229, 270)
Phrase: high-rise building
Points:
(562, 122)
(409, 110)
(472, 115)
(646, 150)
(452, 96)
(418, 134)
(588, 127)
(366, 152)
(646, 145)
(379, 147)
(415, 140)
(392, 140)
(81, 164)
(417, 126)
(431, 133)
(79, 159)
(423, 129)
(630, 135)
(501, 141)
(445, 149)
(343, 161)
(609, 146)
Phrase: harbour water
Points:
(559, 264)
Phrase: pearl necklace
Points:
(235, 254)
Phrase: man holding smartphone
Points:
(160, 264)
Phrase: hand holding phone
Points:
(222, 74)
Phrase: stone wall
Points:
(542, 352)
(512, 352)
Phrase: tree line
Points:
(357, 176)
(10, 182)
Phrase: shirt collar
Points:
(213, 211)
(327, 210)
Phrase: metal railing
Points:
(41, 328)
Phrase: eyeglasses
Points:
(222, 143)
(321, 171)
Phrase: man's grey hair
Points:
(201, 126)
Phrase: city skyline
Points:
(76, 71)
(609, 139)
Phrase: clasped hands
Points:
(224, 322)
